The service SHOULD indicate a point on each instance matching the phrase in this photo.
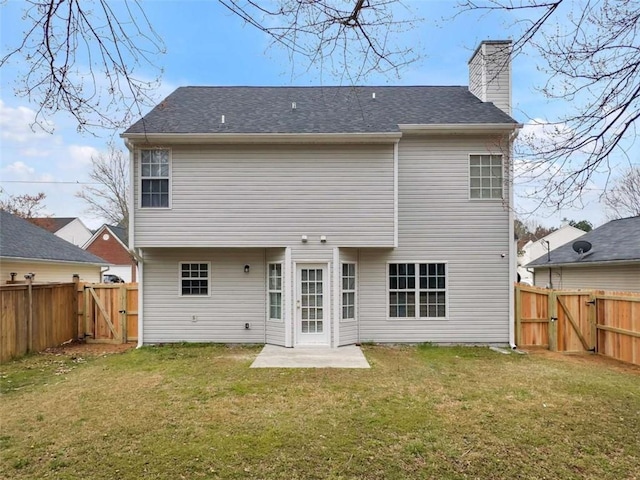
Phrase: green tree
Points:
(584, 225)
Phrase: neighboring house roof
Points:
(616, 241)
(52, 224)
(20, 239)
(119, 232)
(269, 110)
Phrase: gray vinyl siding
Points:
(438, 223)
(270, 195)
(275, 330)
(236, 297)
(349, 328)
(616, 278)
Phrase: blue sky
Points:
(206, 45)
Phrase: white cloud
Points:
(18, 168)
(77, 157)
(17, 124)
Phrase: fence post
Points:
(29, 278)
(518, 308)
(75, 309)
(553, 321)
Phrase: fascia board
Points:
(302, 138)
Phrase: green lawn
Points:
(420, 412)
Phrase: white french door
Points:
(312, 306)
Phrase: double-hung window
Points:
(275, 291)
(194, 278)
(154, 178)
(417, 290)
(348, 291)
(485, 176)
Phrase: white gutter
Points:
(459, 128)
(156, 138)
(52, 260)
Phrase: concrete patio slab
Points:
(273, 356)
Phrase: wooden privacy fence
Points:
(38, 316)
(579, 320)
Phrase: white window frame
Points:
(353, 291)
(275, 291)
(142, 178)
(180, 279)
(417, 290)
(491, 178)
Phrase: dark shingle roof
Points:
(318, 110)
(618, 240)
(52, 224)
(21, 239)
(120, 232)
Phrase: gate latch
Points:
(591, 302)
(122, 311)
(554, 319)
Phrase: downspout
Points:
(512, 250)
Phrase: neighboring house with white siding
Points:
(612, 263)
(71, 229)
(28, 249)
(327, 215)
(536, 249)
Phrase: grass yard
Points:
(189, 412)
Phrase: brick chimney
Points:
(490, 73)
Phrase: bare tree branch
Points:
(83, 58)
(592, 59)
(623, 198)
(109, 199)
(23, 206)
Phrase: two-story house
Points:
(327, 215)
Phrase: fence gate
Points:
(109, 313)
(574, 315)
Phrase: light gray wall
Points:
(617, 278)
(236, 297)
(438, 223)
(269, 195)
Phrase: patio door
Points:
(312, 309)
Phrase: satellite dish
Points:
(581, 246)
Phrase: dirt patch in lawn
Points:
(585, 358)
(77, 349)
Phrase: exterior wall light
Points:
(247, 267)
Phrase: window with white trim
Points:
(485, 176)
(275, 291)
(348, 291)
(194, 278)
(154, 178)
(417, 290)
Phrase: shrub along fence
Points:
(579, 320)
(38, 316)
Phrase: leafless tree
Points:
(84, 58)
(352, 38)
(590, 51)
(623, 198)
(108, 200)
(23, 206)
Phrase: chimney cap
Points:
(489, 42)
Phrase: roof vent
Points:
(373, 95)
(222, 119)
(293, 105)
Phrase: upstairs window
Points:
(485, 177)
(154, 178)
